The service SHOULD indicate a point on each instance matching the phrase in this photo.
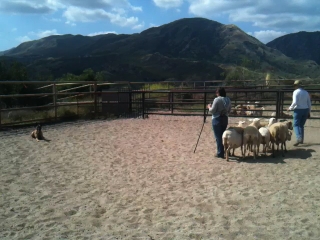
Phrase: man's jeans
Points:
(219, 125)
(299, 119)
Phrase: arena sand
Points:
(139, 179)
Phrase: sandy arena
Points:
(139, 179)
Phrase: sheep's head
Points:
(240, 123)
(289, 135)
(289, 124)
(255, 122)
(272, 121)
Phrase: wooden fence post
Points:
(278, 105)
(95, 98)
(54, 91)
(171, 101)
(282, 101)
(143, 104)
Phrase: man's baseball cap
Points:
(297, 83)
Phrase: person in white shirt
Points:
(301, 106)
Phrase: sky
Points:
(25, 20)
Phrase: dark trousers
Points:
(219, 125)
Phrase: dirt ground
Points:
(139, 179)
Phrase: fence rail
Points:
(92, 99)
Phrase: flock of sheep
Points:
(248, 110)
(253, 110)
(256, 133)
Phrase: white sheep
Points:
(232, 139)
(278, 135)
(252, 137)
(265, 138)
(240, 109)
(256, 123)
(271, 121)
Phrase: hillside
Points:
(301, 45)
(186, 49)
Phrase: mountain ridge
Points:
(187, 43)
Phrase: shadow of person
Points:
(309, 144)
(300, 153)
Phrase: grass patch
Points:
(63, 112)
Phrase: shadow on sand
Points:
(309, 144)
(298, 154)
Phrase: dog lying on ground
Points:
(37, 134)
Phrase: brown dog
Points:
(37, 134)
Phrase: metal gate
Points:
(124, 103)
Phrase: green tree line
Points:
(16, 71)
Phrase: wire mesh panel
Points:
(122, 103)
(137, 104)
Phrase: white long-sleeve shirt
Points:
(300, 100)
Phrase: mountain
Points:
(301, 45)
(186, 49)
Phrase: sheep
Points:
(288, 138)
(240, 109)
(233, 112)
(257, 104)
(314, 97)
(232, 139)
(260, 111)
(289, 135)
(254, 110)
(255, 122)
(271, 121)
(278, 134)
(265, 138)
(252, 137)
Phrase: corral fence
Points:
(55, 101)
